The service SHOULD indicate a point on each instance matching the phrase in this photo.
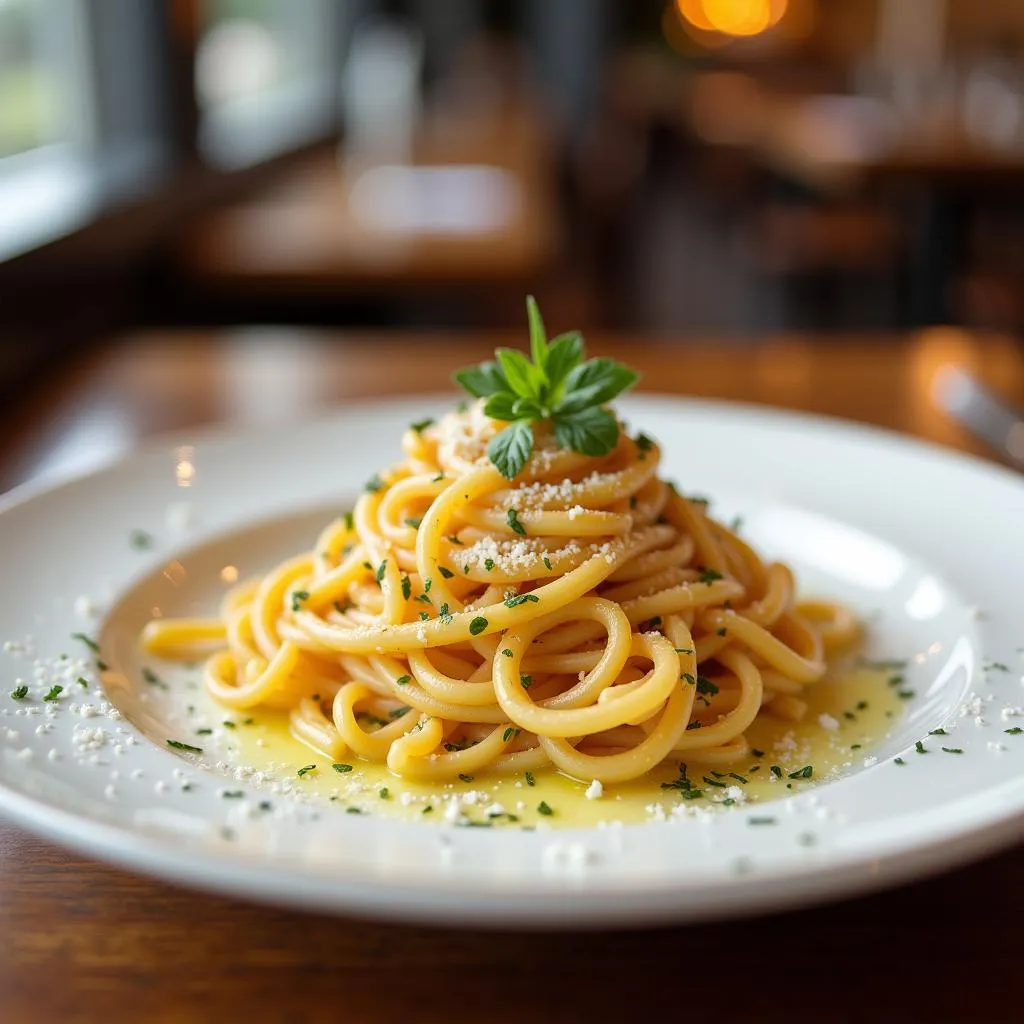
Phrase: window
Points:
(45, 121)
(265, 76)
(39, 58)
(96, 100)
(81, 112)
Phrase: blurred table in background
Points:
(471, 204)
(88, 942)
(933, 164)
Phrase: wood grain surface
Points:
(86, 942)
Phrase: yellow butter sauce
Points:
(858, 708)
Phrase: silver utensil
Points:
(980, 412)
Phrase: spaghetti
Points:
(584, 616)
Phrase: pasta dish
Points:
(522, 591)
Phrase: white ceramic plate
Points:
(929, 543)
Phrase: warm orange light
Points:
(717, 23)
(738, 17)
(693, 12)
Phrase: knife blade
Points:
(980, 412)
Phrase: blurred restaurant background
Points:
(722, 169)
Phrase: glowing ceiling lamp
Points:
(734, 18)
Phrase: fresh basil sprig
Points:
(557, 386)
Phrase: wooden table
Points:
(472, 203)
(82, 941)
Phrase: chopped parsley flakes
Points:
(88, 641)
(513, 521)
(178, 745)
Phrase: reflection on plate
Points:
(95, 770)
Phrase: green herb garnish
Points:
(477, 625)
(543, 808)
(54, 692)
(306, 770)
(515, 600)
(513, 521)
(178, 745)
(556, 386)
(705, 686)
(19, 693)
(88, 641)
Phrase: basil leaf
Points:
(596, 382)
(527, 408)
(593, 431)
(538, 336)
(510, 449)
(522, 376)
(483, 380)
(501, 406)
(564, 354)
